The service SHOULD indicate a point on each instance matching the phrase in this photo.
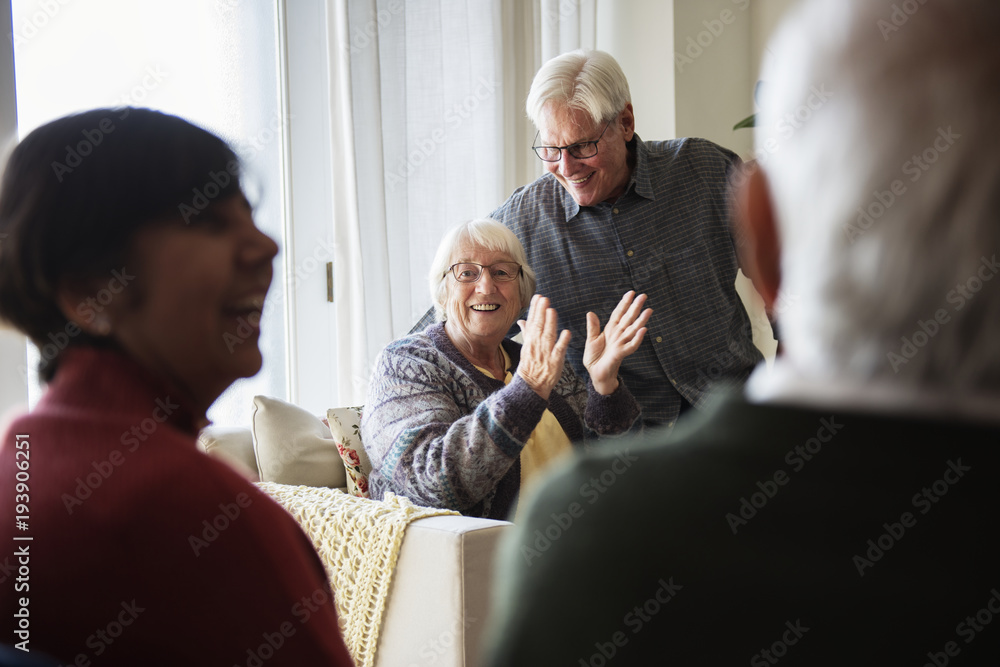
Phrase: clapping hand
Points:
(605, 350)
(544, 350)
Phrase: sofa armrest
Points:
(440, 593)
(234, 445)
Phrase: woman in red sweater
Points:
(130, 257)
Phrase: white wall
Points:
(715, 75)
(718, 46)
(13, 346)
(641, 40)
(766, 16)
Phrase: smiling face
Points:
(481, 313)
(592, 180)
(192, 314)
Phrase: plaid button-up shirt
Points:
(668, 236)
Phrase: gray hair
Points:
(487, 233)
(587, 80)
(873, 131)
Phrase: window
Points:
(213, 62)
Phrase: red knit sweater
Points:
(142, 550)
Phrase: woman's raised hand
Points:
(544, 348)
(605, 350)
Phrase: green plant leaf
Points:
(749, 121)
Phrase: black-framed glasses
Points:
(581, 151)
(470, 272)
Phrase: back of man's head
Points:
(877, 134)
(588, 80)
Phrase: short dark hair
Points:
(74, 193)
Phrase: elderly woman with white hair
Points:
(458, 416)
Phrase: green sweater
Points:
(755, 532)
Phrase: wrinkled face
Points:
(192, 314)
(481, 313)
(592, 180)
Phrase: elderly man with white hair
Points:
(613, 214)
(840, 510)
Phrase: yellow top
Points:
(546, 444)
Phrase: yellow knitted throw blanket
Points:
(358, 540)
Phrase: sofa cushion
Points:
(232, 445)
(345, 426)
(294, 446)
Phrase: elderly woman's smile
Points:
(481, 313)
(458, 417)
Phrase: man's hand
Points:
(605, 350)
(544, 350)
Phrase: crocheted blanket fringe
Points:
(358, 541)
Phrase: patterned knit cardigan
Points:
(443, 434)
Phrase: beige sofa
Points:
(438, 599)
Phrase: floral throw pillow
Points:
(345, 425)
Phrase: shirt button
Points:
(629, 253)
(659, 339)
(614, 210)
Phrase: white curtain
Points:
(351, 369)
(437, 90)
(566, 25)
